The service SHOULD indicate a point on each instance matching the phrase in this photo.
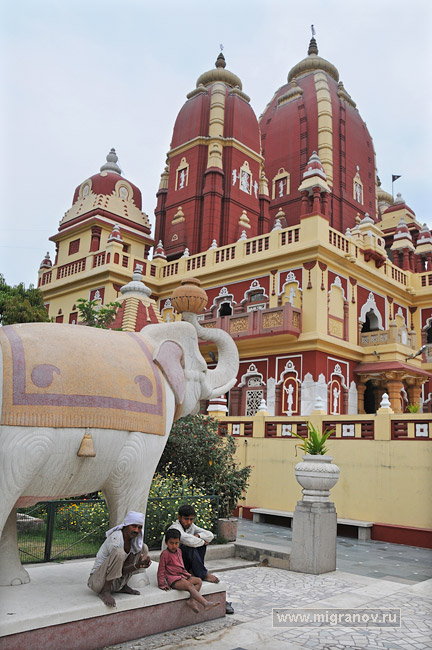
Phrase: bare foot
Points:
(107, 599)
(210, 605)
(128, 590)
(191, 603)
(211, 578)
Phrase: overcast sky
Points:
(81, 76)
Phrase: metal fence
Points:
(75, 528)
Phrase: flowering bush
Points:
(167, 494)
(196, 449)
(84, 517)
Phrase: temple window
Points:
(371, 322)
(74, 246)
(182, 174)
(245, 178)
(123, 190)
(281, 184)
(358, 187)
(253, 401)
(225, 309)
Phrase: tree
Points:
(196, 450)
(93, 315)
(21, 305)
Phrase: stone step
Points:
(261, 552)
(229, 564)
(214, 552)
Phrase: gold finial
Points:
(189, 296)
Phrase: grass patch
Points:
(66, 545)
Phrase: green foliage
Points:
(314, 444)
(195, 449)
(413, 408)
(94, 315)
(167, 494)
(21, 305)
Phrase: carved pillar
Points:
(316, 199)
(405, 264)
(304, 202)
(345, 330)
(361, 387)
(324, 203)
(235, 401)
(414, 386)
(278, 399)
(95, 238)
(344, 409)
(394, 387)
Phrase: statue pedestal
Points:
(57, 610)
(313, 547)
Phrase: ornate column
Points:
(414, 385)
(361, 387)
(394, 387)
(95, 238)
(316, 199)
(304, 202)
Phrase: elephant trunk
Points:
(228, 357)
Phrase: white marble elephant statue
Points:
(61, 382)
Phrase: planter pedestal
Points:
(314, 524)
(314, 538)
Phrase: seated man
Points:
(122, 554)
(193, 543)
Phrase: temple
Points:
(323, 280)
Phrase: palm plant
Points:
(314, 444)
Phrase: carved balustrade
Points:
(285, 319)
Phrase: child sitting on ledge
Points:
(172, 574)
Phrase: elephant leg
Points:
(24, 452)
(128, 485)
(11, 570)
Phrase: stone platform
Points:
(57, 610)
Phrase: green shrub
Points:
(167, 494)
(196, 449)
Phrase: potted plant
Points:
(316, 473)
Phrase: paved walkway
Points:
(369, 575)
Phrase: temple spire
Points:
(111, 163)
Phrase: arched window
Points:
(371, 323)
(225, 309)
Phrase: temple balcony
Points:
(393, 335)
(258, 321)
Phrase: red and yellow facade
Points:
(324, 281)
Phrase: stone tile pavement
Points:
(369, 575)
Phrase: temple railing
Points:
(260, 322)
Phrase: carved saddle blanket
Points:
(59, 375)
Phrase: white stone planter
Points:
(317, 475)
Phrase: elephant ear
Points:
(168, 356)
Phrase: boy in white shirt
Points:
(193, 545)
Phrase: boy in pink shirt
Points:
(173, 575)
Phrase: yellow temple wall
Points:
(381, 480)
